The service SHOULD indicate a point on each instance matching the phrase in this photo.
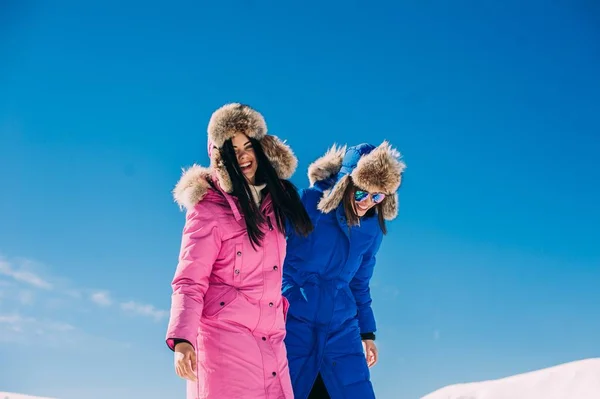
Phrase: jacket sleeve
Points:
(200, 245)
(289, 229)
(359, 285)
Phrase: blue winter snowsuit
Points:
(326, 280)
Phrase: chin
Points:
(360, 212)
(250, 177)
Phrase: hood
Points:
(234, 118)
(224, 123)
(192, 187)
(195, 185)
(371, 168)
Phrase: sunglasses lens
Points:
(360, 195)
(377, 198)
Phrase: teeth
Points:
(245, 165)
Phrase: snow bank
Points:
(8, 395)
(575, 380)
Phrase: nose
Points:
(367, 202)
(241, 154)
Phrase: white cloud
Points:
(17, 321)
(11, 324)
(144, 310)
(14, 319)
(16, 328)
(19, 329)
(23, 275)
(26, 297)
(23, 286)
(101, 298)
(61, 327)
(104, 299)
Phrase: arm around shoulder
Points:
(200, 245)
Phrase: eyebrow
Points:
(245, 144)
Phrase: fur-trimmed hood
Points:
(224, 123)
(370, 168)
(197, 183)
(235, 118)
(192, 186)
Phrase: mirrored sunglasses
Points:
(360, 196)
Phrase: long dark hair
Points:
(286, 201)
(351, 215)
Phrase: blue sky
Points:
(491, 268)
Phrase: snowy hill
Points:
(575, 380)
(8, 395)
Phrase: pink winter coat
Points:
(227, 297)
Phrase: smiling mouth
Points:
(361, 207)
(246, 166)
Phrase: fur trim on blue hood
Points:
(374, 169)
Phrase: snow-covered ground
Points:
(8, 395)
(575, 380)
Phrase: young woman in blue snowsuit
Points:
(330, 324)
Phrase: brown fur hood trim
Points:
(192, 187)
(238, 118)
(326, 166)
(234, 118)
(378, 169)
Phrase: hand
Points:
(370, 352)
(185, 361)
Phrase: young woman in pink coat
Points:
(227, 321)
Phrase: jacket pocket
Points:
(221, 297)
(351, 370)
(237, 264)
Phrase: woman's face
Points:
(363, 201)
(244, 153)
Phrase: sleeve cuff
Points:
(369, 335)
(172, 342)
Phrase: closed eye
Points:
(247, 147)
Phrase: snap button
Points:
(264, 338)
(275, 268)
(236, 271)
(239, 253)
(271, 304)
(274, 374)
(222, 304)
